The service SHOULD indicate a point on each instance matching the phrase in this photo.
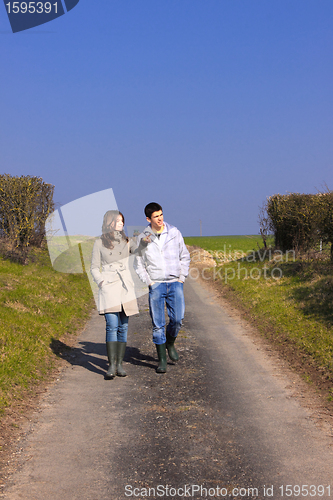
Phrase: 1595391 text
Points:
(31, 7)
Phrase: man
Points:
(163, 265)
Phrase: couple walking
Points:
(161, 262)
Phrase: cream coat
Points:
(112, 267)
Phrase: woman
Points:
(116, 298)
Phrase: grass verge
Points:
(38, 306)
(289, 299)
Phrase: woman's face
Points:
(117, 225)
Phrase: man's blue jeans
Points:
(172, 295)
(116, 327)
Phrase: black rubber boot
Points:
(111, 349)
(121, 347)
(170, 341)
(162, 360)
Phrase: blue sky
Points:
(205, 106)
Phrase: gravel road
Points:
(224, 422)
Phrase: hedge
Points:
(299, 221)
(25, 203)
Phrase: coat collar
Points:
(167, 228)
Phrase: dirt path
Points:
(226, 417)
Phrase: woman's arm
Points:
(95, 268)
(137, 248)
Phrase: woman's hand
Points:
(144, 242)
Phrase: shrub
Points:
(25, 203)
(299, 221)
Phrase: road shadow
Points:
(134, 356)
(92, 355)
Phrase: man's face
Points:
(156, 220)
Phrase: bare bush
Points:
(25, 203)
(298, 221)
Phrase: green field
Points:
(289, 298)
(38, 306)
(216, 243)
(227, 248)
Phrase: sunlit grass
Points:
(37, 304)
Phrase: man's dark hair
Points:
(151, 208)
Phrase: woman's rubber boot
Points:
(121, 348)
(162, 360)
(111, 349)
(170, 345)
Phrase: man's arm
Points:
(184, 257)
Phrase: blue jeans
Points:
(172, 295)
(116, 327)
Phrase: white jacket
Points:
(163, 263)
